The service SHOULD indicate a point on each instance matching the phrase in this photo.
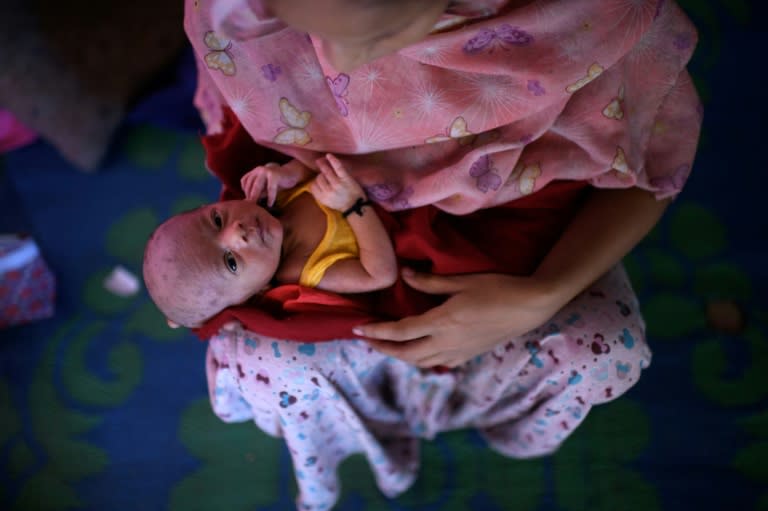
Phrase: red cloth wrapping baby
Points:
(511, 238)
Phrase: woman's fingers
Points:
(435, 284)
(410, 352)
(232, 326)
(439, 360)
(406, 329)
(420, 352)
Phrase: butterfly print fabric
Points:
(533, 86)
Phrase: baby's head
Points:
(202, 261)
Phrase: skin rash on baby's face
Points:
(239, 243)
(233, 248)
(354, 33)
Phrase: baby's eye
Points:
(216, 219)
(230, 262)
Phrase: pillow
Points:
(71, 69)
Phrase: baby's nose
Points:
(236, 234)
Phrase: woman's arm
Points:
(609, 225)
(376, 267)
(486, 309)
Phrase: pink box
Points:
(27, 286)
(13, 134)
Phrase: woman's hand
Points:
(267, 180)
(334, 187)
(484, 310)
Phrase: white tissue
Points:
(122, 282)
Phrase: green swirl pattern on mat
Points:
(125, 241)
(454, 469)
(695, 261)
(61, 458)
(57, 430)
(48, 468)
(149, 147)
(238, 464)
(125, 363)
(593, 468)
(750, 461)
(128, 235)
(188, 202)
(699, 262)
(672, 312)
(192, 161)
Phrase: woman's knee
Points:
(610, 362)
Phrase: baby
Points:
(202, 261)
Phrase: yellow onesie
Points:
(338, 243)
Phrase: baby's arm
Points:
(267, 180)
(377, 267)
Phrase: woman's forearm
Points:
(608, 226)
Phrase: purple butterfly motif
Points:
(271, 72)
(338, 87)
(526, 139)
(382, 192)
(504, 35)
(392, 193)
(535, 88)
(482, 170)
(683, 41)
(673, 182)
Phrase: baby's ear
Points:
(171, 324)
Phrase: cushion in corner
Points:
(71, 69)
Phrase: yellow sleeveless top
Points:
(338, 243)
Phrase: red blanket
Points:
(512, 238)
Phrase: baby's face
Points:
(235, 244)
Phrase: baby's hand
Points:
(333, 187)
(267, 180)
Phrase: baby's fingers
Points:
(319, 184)
(253, 184)
(327, 171)
(337, 166)
(272, 187)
